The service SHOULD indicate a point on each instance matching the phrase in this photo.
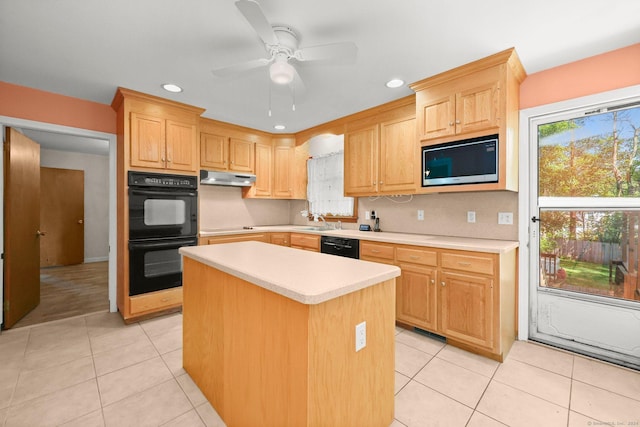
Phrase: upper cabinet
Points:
(157, 133)
(477, 99)
(280, 170)
(381, 151)
(226, 149)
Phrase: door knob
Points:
(80, 221)
(40, 233)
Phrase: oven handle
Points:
(170, 244)
(162, 193)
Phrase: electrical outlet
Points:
(361, 336)
(505, 218)
(420, 215)
(471, 216)
(367, 215)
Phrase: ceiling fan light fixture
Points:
(170, 87)
(394, 83)
(281, 72)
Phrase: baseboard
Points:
(96, 259)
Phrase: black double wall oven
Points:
(163, 213)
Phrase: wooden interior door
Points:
(21, 226)
(61, 216)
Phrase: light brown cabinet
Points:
(224, 153)
(158, 135)
(381, 153)
(448, 109)
(308, 242)
(160, 143)
(282, 239)
(231, 238)
(280, 168)
(477, 99)
(468, 297)
(263, 186)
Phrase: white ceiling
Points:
(87, 48)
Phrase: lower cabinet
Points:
(212, 240)
(467, 297)
(282, 239)
(308, 242)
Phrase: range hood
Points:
(233, 179)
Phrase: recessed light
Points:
(170, 87)
(279, 127)
(394, 83)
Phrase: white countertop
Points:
(434, 241)
(304, 276)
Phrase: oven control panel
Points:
(146, 179)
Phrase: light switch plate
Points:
(471, 216)
(420, 215)
(505, 218)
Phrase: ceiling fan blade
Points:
(334, 51)
(254, 14)
(240, 68)
(297, 86)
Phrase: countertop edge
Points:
(388, 272)
(434, 241)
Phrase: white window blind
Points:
(325, 188)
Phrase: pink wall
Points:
(612, 70)
(33, 104)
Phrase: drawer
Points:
(417, 256)
(474, 263)
(231, 238)
(155, 301)
(305, 241)
(376, 250)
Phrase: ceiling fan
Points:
(281, 44)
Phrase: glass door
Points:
(585, 212)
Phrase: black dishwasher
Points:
(340, 246)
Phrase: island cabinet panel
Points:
(262, 359)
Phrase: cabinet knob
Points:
(457, 122)
(442, 283)
(381, 182)
(433, 282)
(451, 123)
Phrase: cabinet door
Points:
(147, 141)
(214, 151)
(436, 113)
(264, 170)
(182, 146)
(398, 156)
(416, 301)
(281, 239)
(283, 161)
(466, 304)
(241, 155)
(477, 108)
(361, 161)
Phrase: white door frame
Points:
(527, 271)
(50, 127)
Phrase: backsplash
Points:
(224, 207)
(444, 214)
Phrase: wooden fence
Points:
(595, 252)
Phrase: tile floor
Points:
(95, 371)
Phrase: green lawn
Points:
(587, 274)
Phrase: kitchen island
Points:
(270, 335)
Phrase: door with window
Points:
(585, 213)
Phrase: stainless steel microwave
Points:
(469, 161)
